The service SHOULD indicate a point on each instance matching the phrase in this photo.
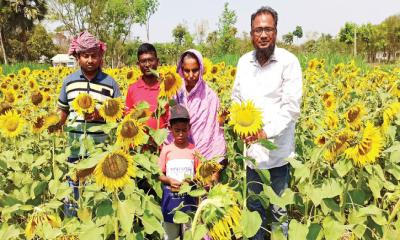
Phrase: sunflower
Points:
(83, 103)
(112, 109)
(339, 145)
(171, 82)
(32, 83)
(205, 171)
(368, 148)
(221, 213)
(37, 97)
(353, 116)
(207, 65)
(245, 118)
(10, 95)
(24, 72)
(68, 237)
(222, 228)
(331, 120)
(38, 125)
(329, 101)
(395, 89)
(11, 124)
(389, 114)
(4, 107)
(114, 170)
(320, 140)
(51, 119)
(37, 219)
(130, 132)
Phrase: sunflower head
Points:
(206, 170)
(10, 95)
(114, 170)
(83, 103)
(130, 132)
(171, 82)
(245, 118)
(111, 109)
(4, 107)
(38, 124)
(38, 219)
(368, 148)
(36, 97)
(11, 124)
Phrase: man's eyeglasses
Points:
(147, 61)
(258, 31)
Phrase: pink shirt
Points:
(178, 163)
(139, 92)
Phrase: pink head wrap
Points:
(84, 42)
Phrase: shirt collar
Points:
(96, 78)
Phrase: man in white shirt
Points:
(271, 77)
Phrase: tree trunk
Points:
(2, 47)
(148, 29)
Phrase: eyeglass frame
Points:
(259, 30)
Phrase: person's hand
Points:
(175, 185)
(254, 138)
(94, 116)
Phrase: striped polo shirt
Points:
(101, 87)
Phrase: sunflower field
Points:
(345, 178)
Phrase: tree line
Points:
(23, 37)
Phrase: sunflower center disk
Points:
(111, 108)
(353, 114)
(129, 129)
(85, 102)
(245, 119)
(12, 125)
(36, 98)
(115, 166)
(39, 122)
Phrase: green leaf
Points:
(8, 232)
(185, 188)
(198, 192)
(151, 223)
(91, 231)
(393, 169)
(286, 198)
(181, 217)
(359, 230)
(126, 213)
(250, 222)
(376, 185)
(200, 232)
(104, 209)
(333, 229)
(328, 204)
(264, 175)
(159, 135)
(331, 188)
(90, 161)
(277, 234)
(267, 144)
(343, 167)
(295, 163)
(297, 230)
(314, 232)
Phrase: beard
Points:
(263, 54)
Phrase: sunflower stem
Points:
(53, 161)
(197, 215)
(116, 228)
(245, 176)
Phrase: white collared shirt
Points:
(276, 89)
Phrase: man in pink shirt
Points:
(147, 87)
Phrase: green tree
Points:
(17, 18)
(298, 32)
(348, 35)
(226, 42)
(40, 43)
(391, 29)
(288, 38)
(109, 20)
(146, 8)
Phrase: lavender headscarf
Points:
(202, 104)
(85, 41)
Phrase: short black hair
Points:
(265, 10)
(178, 120)
(146, 48)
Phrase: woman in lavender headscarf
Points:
(202, 103)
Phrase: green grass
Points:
(229, 59)
(333, 59)
(13, 68)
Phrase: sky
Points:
(314, 16)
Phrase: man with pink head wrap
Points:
(90, 79)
